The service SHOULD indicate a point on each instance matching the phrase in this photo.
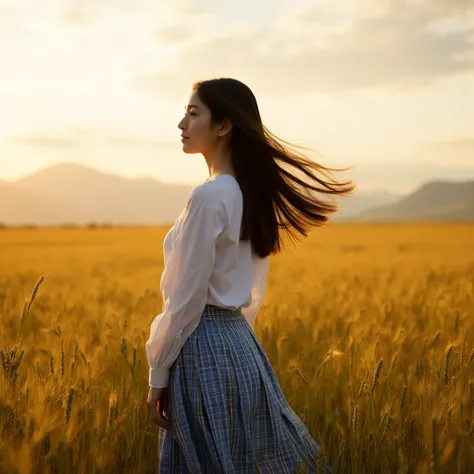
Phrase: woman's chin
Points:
(188, 150)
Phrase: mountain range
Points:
(73, 194)
(433, 201)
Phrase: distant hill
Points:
(436, 200)
(20, 206)
(72, 193)
(79, 195)
(352, 207)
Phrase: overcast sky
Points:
(386, 87)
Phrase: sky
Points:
(383, 87)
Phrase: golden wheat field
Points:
(368, 328)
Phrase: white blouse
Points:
(204, 263)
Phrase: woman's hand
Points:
(157, 405)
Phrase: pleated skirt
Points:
(226, 407)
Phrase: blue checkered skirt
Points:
(226, 408)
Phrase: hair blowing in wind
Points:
(266, 168)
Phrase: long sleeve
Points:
(184, 283)
(259, 286)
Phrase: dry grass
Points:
(368, 327)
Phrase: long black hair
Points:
(274, 198)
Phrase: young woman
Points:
(213, 392)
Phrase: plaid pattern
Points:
(227, 410)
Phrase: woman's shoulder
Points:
(204, 193)
(215, 190)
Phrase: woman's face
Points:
(200, 135)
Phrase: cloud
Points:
(190, 10)
(396, 49)
(172, 35)
(459, 144)
(183, 22)
(83, 16)
(78, 138)
(42, 141)
(460, 150)
(116, 140)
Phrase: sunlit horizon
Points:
(387, 92)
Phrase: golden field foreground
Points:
(368, 328)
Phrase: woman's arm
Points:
(184, 283)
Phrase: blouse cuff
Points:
(159, 377)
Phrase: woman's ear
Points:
(225, 128)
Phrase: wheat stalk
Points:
(27, 306)
(446, 365)
(376, 376)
